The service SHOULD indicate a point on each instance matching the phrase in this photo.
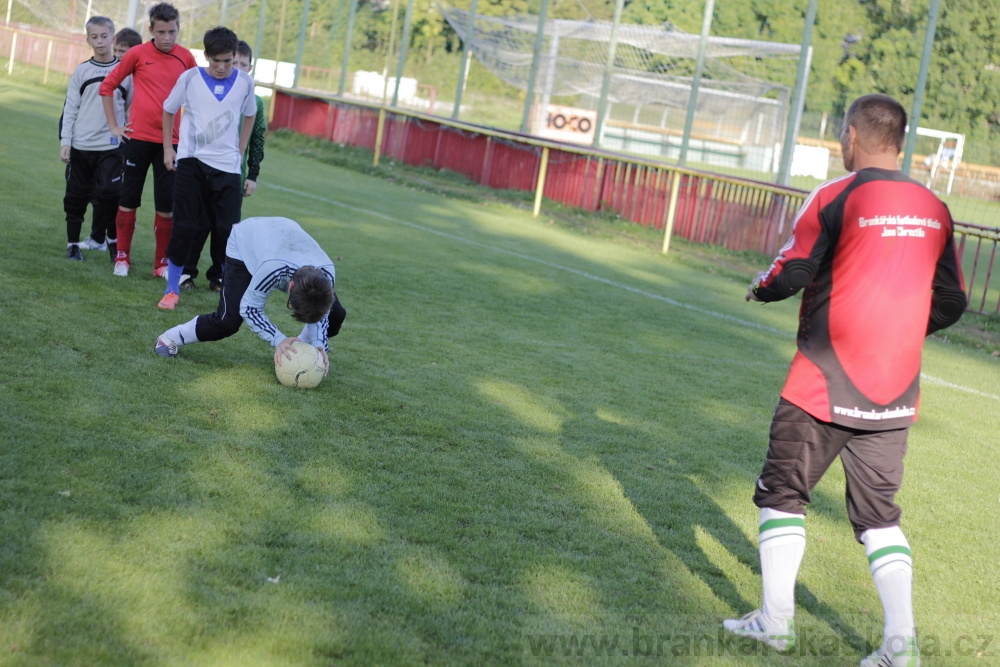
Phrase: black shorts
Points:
(801, 449)
(205, 198)
(139, 155)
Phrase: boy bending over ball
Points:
(263, 255)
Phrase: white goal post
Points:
(950, 156)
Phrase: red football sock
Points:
(163, 227)
(125, 223)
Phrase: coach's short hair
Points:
(243, 49)
(219, 40)
(165, 12)
(100, 20)
(128, 37)
(880, 121)
(312, 295)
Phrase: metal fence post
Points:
(918, 93)
(334, 19)
(379, 133)
(13, 50)
(798, 97)
(463, 69)
(706, 25)
(403, 44)
(302, 44)
(257, 45)
(602, 102)
(533, 73)
(675, 187)
(48, 59)
(347, 46)
(543, 167)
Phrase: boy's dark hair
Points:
(243, 49)
(128, 37)
(312, 295)
(100, 20)
(220, 40)
(165, 12)
(880, 121)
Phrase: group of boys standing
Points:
(154, 107)
(123, 115)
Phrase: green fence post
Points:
(403, 43)
(302, 44)
(602, 102)
(706, 25)
(463, 69)
(334, 16)
(533, 74)
(798, 97)
(918, 94)
(347, 46)
(260, 36)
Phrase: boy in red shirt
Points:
(155, 67)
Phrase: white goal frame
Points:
(937, 159)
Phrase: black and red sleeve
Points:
(799, 259)
(948, 299)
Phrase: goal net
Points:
(743, 98)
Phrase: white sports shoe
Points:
(779, 636)
(165, 347)
(90, 244)
(886, 656)
(121, 268)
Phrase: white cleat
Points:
(90, 244)
(165, 347)
(121, 268)
(780, 636)
(908, 654)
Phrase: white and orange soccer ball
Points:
(304, 370)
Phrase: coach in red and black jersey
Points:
(874, 253)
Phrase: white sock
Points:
(183, 334)
(891, 564)
(782, 541)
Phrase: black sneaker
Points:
(215, 286)
(73, 253)
(187, 285)
(113, 249)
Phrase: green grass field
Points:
(537, 445)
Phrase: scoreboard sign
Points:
(569, 124)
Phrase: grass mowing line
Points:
(590, 276)
(529, 258)
(950, 385)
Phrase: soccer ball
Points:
(304, 370)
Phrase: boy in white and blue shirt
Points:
(219, 109)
